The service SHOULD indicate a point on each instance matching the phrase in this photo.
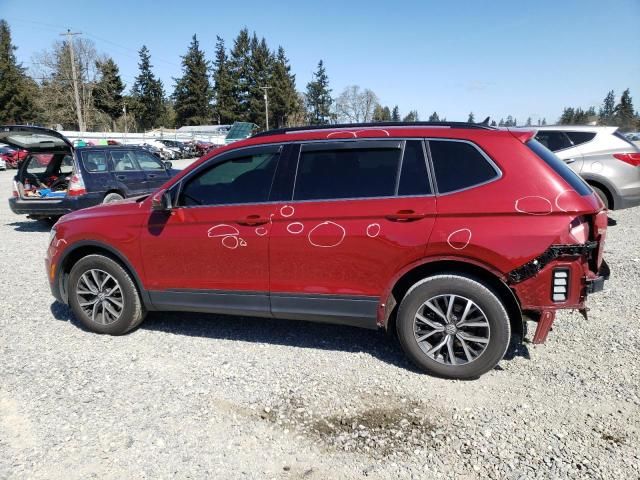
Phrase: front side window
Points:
(245, 178)
(148, 161)
(553, 140)
(95, 161)
(459, 165)
(332, 173)
(123, 161)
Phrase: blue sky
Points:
(490, 57)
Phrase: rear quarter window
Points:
(459, 165)
(578, 138)
(560, 168)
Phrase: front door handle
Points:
(405, 216)
(252, 220)
(121, 177)
(151, 175)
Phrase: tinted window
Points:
(580, 137)
(347, 173)
(123, 161)
(560, 167)
(95, 161)
(414, 179)
(554, 141)
(148, 161)
(245, 179)
(459, 165)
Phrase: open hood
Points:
(34, 139)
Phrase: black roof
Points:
(279, 131)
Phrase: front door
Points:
(127, 174)
(361, 211)
(155, 171)
(211, 252)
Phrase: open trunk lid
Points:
(35, 139)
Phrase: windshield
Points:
(561, 168)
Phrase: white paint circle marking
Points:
(558, 199)
(222, 230)
(355, 135)
(243, 243)
(261, 231)
(295, 228)
(287, 211)
(328, 222)
(461, 230)
(518, 209)
(231, 242)
(373, 230)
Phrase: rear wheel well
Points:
(70, 260)
(469, 270)
(605, 190)
(115, 190)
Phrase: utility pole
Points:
(124, 109)
(266, 105)
(69, 36)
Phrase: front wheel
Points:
(103, 296)
(453, 326)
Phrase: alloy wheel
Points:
(100, 296)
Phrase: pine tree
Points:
(148, 94)
(239, 67)
(283, 97)
(434, 117)
(544, 122)
(193, 93)
(107, 95)
(567, 116)
(471, 119)
(16, 88)
(260, 67)
(395, 114)
(318, 97)
(493, 123)
(510, 122)
(501, 123)
(412, 116)
(223, 88)
(528, 123)
(608, 109)
(624, 115)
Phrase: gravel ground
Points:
(192, 395)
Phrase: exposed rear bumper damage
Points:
(535, 283)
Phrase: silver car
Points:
(604, 157)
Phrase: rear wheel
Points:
(103, 296)
(453, 326)
(112, 197)
(603, 196)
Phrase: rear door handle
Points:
(252, 220)
(570, 160)
(405, 216)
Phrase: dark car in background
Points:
(55, 178)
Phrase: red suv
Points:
(451, 233)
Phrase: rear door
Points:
(154, 170)
(96, 164)
(352, 223)
(562, 145)
(127, 173)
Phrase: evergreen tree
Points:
(239, 67)
(225, 104)
(501, 123)
(544, 122)
(381, 114)
(107, 95)
(624, 115)
(148, 94)
(283, 97)
(567, 116)
(193, 93)
(395, 114)
(528, 123)
(608, 109)
(493, 123)
(260, 66)
(16, 88)
(434, 117)
(318, 97)
(510, 122)
(412, 116)
(471, 119)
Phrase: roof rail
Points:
(280, 131)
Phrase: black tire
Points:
(603, 196)
(499, 335)
(112, 197)
(133, 311)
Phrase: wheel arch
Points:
(450, 265)
(608, 189)
(89, 247)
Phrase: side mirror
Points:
(161, 201)
(168, 165)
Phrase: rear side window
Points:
(560, 167)
(554, 140)
(95, 161)
(579, 138)
(347, 173)
(414, 179)
(459, 165)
